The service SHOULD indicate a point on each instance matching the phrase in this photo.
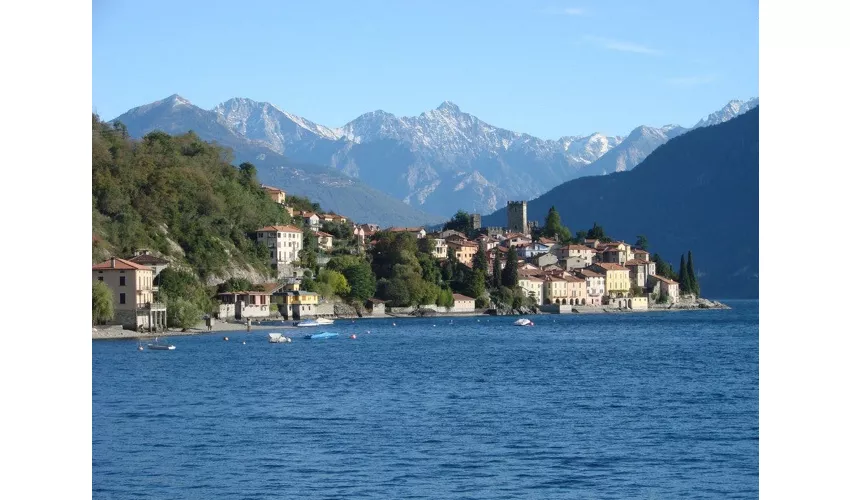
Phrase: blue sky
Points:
(547, 68)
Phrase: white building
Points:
(284, 243)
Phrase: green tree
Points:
(663, 268)
(102, 307)
(479, 260)
(476, 284)
(642, 242)
(183, 313)
(510, 275)
(692, 277)
(553, 227)
(684, 279)
(336, 281)
(497, 271)
(361, 280)
(460, 221)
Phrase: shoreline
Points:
(116, 332)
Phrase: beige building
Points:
(576, 256)
(284, 243)
(617, 282)
(277, 195)
(464, 251)
(555, 290)
(576, 290)
(594, 284)
(132, 293)
(326, 240)
(463, 303)
(532, 286)
(244, 304)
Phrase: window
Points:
(122, 298)
(122, 281)
(100, 278)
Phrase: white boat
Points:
(156, 346)
(315, 322)
(523, 322)
(278, 338)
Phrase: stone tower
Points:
(518, 217)
(476, 221)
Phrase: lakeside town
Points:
(522, 268)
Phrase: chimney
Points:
(112, 262)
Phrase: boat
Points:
(315, 322)
(523, 322)
(156, 346)
(278, 338)
(323, 335)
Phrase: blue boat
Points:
(323, 335)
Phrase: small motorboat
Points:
(156, 346)
(315, 322)
(523, 322)
(278, 338)
(323, 335)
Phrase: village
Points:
(589, 276)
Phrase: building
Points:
(615, 252)
(326, 240)
(463, 303)
(132, 294)
(157, 264)
(664, 287)
(376, 306)
(544, 260)
(576, 290)
(639, 270)
(617, 282)
(476, 221)
(296, 304)
(359, 234)
(441, 249)
(464, 251)
(578, 256)
(530, 250)
(450, 232)
(311, 220)
(641, 254)
(514, 239)
(532, 286)
(246, 304)
(518, 217)
(284, 244)
(277, 195)
(487, 242)
(594, 284)
(555, 290)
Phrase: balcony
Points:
(154, 306)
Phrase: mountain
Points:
(698, 192)
(731, 110)
(334, 190)
(439, 161)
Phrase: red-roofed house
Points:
(595, 284)
(617, 282)
(326, 240)
(132, 293)
(277, 195)
(284, 244)
(464, 250)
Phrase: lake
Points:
(644, 405)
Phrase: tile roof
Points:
(577, 248)
(272, 189)
(610, 266)
(587, 273)
(665, 280)
(636, 262)
(116, 263)
(458, 296)
(287, 228)
(638, 250)
(322, 233)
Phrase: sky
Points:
(546, 68)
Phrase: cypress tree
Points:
(510, 275)
(692, 278)
(684, 279)
(497, 271)
(479, 260)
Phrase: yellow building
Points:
(277, 195)
(617, 283)
(132, 293)
(555, 290)
(464, 251)
(532, 286)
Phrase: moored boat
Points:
(278, 338)
(156, 346)
(523, 322)
(323, 335)
(315, 322)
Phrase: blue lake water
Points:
(653, 405)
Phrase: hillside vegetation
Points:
(178, 196)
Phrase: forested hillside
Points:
(178, 196)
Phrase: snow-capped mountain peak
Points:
(734, 108)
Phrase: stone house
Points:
(376, 306)
(245, 304)
(132, 294)
(664, 287)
